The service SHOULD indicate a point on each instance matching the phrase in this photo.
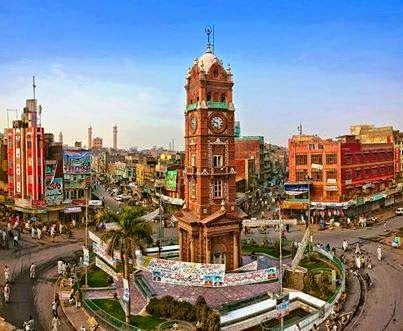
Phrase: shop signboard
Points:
(95, 203)
(282, 306)
(71, 210)
(289, 204)
(54, 192)
(76, 162)
(86, 257)
(296, 187)
(126, 291)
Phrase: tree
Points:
(106, 216)
(134, 233)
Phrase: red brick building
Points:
(210, 223)
(341, 169)
(26, 159)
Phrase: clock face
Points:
(217, 123)
(193, 123)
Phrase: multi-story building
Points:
(398, 138)
(341, 169)
(247, 147)
(26, 158)
(97, 143)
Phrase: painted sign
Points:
(282, 306)
(54, 192)
(95, 203)
(102, 251)
(102, 265)
(86, 257)
(71, 210)
(170, 180)
(126, 290)
(296, 187)
(77, 162)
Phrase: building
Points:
(145, 171)
(237, 129)
(210, 223)
(398, 139)
(90, 137)
(26, 159)
(245, 175)
(96, 143)
(61, 137)
(247, 147)
(369, 134)
(115, 137)
(342, 169)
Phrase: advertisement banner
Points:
(288, 204)
(296, 187)
(95, 203)
(126, 291)
(101, 251)
(102, 265)
(86, 257)
(170, 180)
(282, 306)
(54, 192)
(301, 249)
(77, 162)
(200, 274)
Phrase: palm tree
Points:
(134, 233)
(105, 216)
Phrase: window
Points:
(331, 158)
(217, 161)
(218, 188)
(301, 159)
(29, 144)
(193, 160)
(209, 97)
(311, 146)
(320, 146)
(317, 175)
(347, 159)
(300, 175)
(331, 174)
(192, 189)
(357, 173)
(215, 73)
(223, 99)
(317, 159)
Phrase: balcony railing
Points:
(217, 104)
(220, 171)
(191, 170)
(192, 106)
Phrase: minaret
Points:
(61, 137)
(90, 137)
(115, 137)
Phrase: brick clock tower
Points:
(209, 223)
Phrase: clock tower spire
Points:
(210, 221)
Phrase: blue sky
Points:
(326, 64)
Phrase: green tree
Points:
(105, 215)
(134, 232)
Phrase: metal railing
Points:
(108, 319)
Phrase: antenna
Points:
(299, 128)
(33, 85)
(213, 37)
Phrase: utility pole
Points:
(280, 269)
(86, 231)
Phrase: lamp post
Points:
(308, 179)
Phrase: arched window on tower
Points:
(223, 98)
(209, 97)
(217, 188)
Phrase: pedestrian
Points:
(357, 249)
(54, 308)
(327, 247)
(315, 328)
(369, 262)
(52, 233)
(30, 324)
(60, 228)
(73, 223)
(358, 262)
(78, 299)
(59, 267)
(348, 221)
(55, 323)
(32, 232)
(6, 274)
(6, 292)
(363, 261)
(15, 241)
(32, 271)
(39, 232)
(379, 253)
(345, 245)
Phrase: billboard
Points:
(77, 162)
(170, 180)
(54, 192)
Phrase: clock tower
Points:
(210, 222)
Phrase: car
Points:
(399, 211)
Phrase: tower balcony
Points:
(217, 105)
(220, 171)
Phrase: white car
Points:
(399, 211)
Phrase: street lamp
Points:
(308, 179)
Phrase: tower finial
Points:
(208, 31)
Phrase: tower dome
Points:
(207, 60)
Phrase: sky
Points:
(324, 64)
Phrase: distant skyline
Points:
(327, 65)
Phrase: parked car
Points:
(399, 211)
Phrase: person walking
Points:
(363, 261)
(32, 271)
(52, 233)
(379, 253)
(6, 274)
(345, 245)
(33, 232)
(358, 262)
(55, 323)
(369, 262)
(6, 293)
(39, 232)
(357, 249)
(54, 308)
